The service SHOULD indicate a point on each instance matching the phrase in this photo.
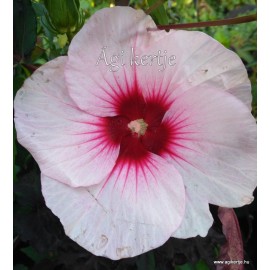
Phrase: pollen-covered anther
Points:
(138, 126)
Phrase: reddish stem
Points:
(238, 20)
(30, 67)
(18, 59)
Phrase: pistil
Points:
(138, 126)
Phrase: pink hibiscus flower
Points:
(136, 132)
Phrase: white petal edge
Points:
(67, 143)
(107, 33)
(213, 146)
(197, 219)
(200, 61)
(117, 219)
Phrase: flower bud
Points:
(64, 15)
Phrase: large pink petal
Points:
(197, 219)
(100, 88)
(136, 209)
(68, 144)
(199, 61)
(213, 145)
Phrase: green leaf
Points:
(186, 266)
(223, 36)
(20, 267)
(24, 27)
(159, 14)
(40, 61)
(18, 81)
(15, 168)
(37, 54)
(245, 55)
(26, 71)
(39, 9)
(32, 254)
(146, 261)
(200, 265)
(249, 48)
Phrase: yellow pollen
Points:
(138, 126)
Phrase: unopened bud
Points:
(64, 15)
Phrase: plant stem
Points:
(153, 7)
(237, 20)
(19, 60)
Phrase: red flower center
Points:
(138, 127)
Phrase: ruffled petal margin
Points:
(135, 210)
(99, 58)
(68, 143)
(213, 145)
(197, 219)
